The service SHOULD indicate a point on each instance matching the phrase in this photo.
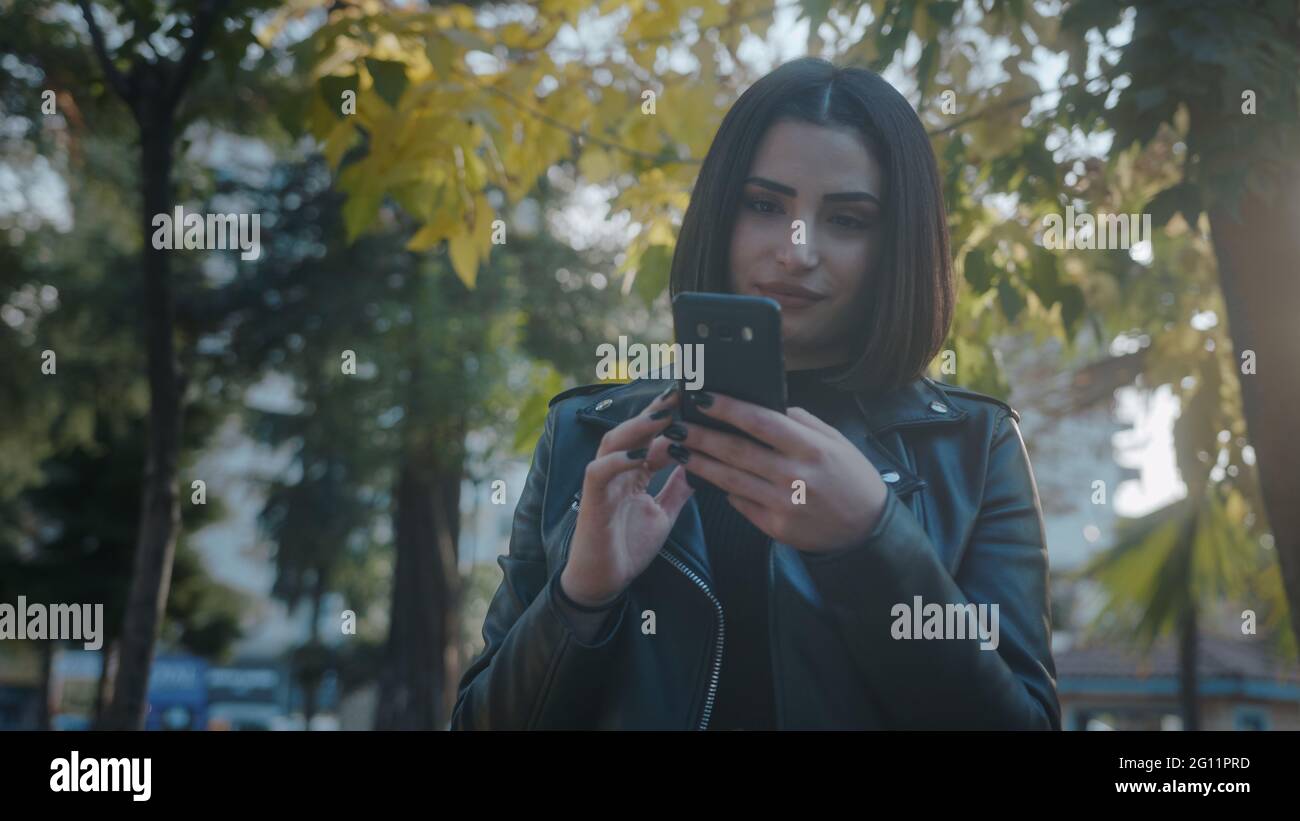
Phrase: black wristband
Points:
(582, 608)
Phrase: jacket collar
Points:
(919, 403)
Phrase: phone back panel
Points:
(751, 369)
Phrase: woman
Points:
(881, 565)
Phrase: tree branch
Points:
(210, 11)
(984, 112)
(585, 136)
(114, 77)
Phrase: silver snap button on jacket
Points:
(604, 403)
(938, 407)
(890, 477)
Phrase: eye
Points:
(854, 222)
(751, 203)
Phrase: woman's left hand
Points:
(842, 495)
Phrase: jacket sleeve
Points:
(534, 671)
(953, 683)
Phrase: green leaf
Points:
(359, 211)
(979, 272)
(1011, 300)
(1072, 305)
(389, 77)
(1045, 277)
(546, 383)
(1185, 197)
(652, 272)
(332, 88)
(943, 11)
(291, 112)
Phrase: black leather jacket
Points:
(962, 523)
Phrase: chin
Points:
(794, 336)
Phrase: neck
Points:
(807, 362)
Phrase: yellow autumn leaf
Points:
(513, 35)
(484, 217)
(464, 258)
(457, 15)
(428, 236)
(594, 164)
(661, 232)
(337, 143)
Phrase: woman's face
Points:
(827, 179)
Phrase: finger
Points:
(758, 515)
(732, 480)
(811, 420)
(646, 460)
(604, 469)
(637, 431)
(675, 493)
(657, 455)
(734, 450)
(764, 424)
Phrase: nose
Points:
(799, 256)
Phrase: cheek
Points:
(853, 273)
(746, 249)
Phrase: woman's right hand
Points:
(620, 527)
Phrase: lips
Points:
(789, 296)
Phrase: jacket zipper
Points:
(568, 532)
(717, 650)
(698, 582)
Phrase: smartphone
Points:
(740, 340)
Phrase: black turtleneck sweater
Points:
(738, 558)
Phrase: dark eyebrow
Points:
(843, 196)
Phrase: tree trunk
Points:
(104, 688)
(310, 682)
(1259, 274)
(160, 509)
(419, 659)
(447, 514)
(43, 717)
(1187, 679)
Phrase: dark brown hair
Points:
(908, 306)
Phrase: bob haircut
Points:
(907, 308)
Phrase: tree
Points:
(1167, 568)
(75, 433)
(440, 127)
(154, 88)
(393, 363)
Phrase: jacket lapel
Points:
(919, 403)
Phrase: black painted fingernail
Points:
(701, 399)
(680, 453)
(675, 432)
(662, 414)
(639, 453)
